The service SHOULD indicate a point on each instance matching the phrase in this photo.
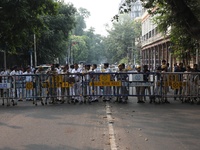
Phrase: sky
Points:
(101, 12)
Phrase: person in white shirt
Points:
(16, 80)
(95, 77)
(67, 91)
(86, 81)
(28, 78)
(77, 90)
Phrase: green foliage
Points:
(81, 15)
(50, 21)
(121, 39)
(183, 16)
(52, 43)
(20, 19)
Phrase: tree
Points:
(21, 18)
(179, 13)
(53, 41)
(85, 45)
(181, 16)
(121, 39)
(81, 15)
(95, 46)
(50, 21)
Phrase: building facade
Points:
(136, 9)
(154, 45)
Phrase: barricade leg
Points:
(107, 93)
(124, 94)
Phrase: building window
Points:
(153, 32)
(149, 34)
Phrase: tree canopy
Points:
(19, 18)
(120, 43)
(177, 13)
(49, 20)
(181, 16)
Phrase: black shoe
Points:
(62, 102)
(167, 102)
(140, 102)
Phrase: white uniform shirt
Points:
(107, 70)
(28, 78)
(77, 78)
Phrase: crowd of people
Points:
(70, 74)
(187, 75)
(75, 92)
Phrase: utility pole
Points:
(5, 60)
(130, 57)
(4, 56)
(35, 54)
(31, 57)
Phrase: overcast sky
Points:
(101, 12)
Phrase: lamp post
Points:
(35, 54)
(31, 56)
(130, 55)
(4, 56)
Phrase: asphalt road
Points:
(100, 126)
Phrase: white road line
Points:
(110, 128)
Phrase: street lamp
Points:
(31, 56)
(35, 53)
(130, 55)
(4, 56)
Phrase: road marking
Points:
(110, 128)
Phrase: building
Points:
(154, 45)
(136, 9)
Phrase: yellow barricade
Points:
(176, 85)
(45, 85)
(109, 83)
(173, 77)
(29, 85)
(66, 85)
(56, 85)
(105, 77)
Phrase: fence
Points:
(88, 87)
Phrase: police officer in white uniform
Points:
(77, 90)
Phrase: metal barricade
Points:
(88, 87)
(181, 86)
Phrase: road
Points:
(100, 126)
